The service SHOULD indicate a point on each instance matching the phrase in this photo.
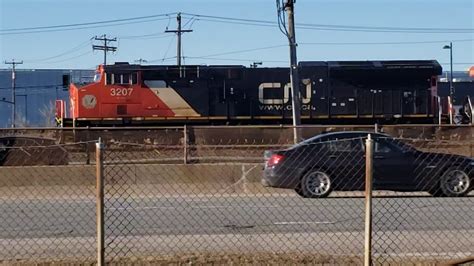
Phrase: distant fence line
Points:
(200, 144)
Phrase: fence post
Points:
(369, 148)
(99, 148)
(88, 152)
(185, 143)
(471, 133)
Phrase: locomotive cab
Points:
(112, 96)
(119, 95)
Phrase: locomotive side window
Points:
(117, 79)
(126, 78)
(109, 78)
(134, 78)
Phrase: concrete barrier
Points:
(138, 179)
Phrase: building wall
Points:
(461, 90)
(36, 92)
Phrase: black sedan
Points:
(336, 161)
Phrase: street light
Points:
(451, 88)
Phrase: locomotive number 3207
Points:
(121, 91)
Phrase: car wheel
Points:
(315, 184)
(455, 183)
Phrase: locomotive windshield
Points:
(97, 76)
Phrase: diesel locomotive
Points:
(331, 92)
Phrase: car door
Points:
(393, 167)
(346, 162)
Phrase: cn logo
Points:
(286, 93)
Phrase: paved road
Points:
(275, 219)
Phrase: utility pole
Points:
(178, 32)
(106, 47)
(294, 77)
(13, 102)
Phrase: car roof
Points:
(345, 135)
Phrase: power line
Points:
(66, 59)
(385, 43)
(247, 50)
(74, 49)
(167, 50)
(156, 34)
(162, 59)
(235, 59)
(254, 22)
(330, 43)
(85, 23)
(80, 28)
(300, 26)
(338, 27)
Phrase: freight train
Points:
(331, 92)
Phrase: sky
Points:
(225, 41)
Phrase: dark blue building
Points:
(36, 92)
(463, 85)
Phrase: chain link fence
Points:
(47, 206)
(238, 195)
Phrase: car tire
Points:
(455, 182)
(315, 184)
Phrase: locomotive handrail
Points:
(469, 103)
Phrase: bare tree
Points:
(21, 120)
(47, 112)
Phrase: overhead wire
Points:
(339, 27)
(281, 19)
(182, 46)
(86, 23)
(144, 36)
(79, 28)
(386, 43)
(247, 50)
(254, 22)
(167, 49)
(67, 59)
(74, 49)
(235, 59)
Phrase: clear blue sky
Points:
(210, 37)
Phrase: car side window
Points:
(340, 146)
(381, 146)
(345, 145)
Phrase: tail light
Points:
(274, 160)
